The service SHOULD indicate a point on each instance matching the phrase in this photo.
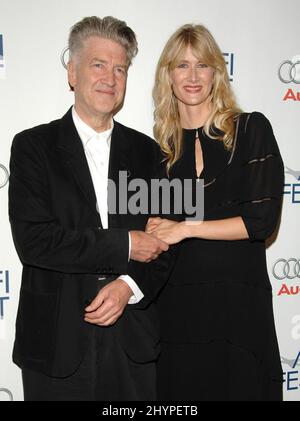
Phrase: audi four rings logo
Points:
(8, 393)
(287, 269)
(4, 176)
(63, 57)
(289, 71)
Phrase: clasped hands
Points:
(111, 301)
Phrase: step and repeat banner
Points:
(260, 42)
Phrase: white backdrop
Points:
(256, 37)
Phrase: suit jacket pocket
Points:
(138, 334)
(35, 328)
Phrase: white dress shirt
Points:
(97, 148)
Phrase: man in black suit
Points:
(86, 327)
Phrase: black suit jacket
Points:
(65, 252)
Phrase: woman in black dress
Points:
(218, 334)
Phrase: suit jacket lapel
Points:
(73, 153)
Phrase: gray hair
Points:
(109, 28)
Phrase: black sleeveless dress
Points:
(218, 335)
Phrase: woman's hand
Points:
(170, 232)
(152, 224)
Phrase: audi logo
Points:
(63, 57)
(4, 176)
(64, 61)
(286, 269)
(289, 72)
(8, 393)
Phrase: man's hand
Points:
(109, 304)
(145, 248)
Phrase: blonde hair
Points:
(167, 127)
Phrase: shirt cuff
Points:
(137, 293)
(129, 253)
